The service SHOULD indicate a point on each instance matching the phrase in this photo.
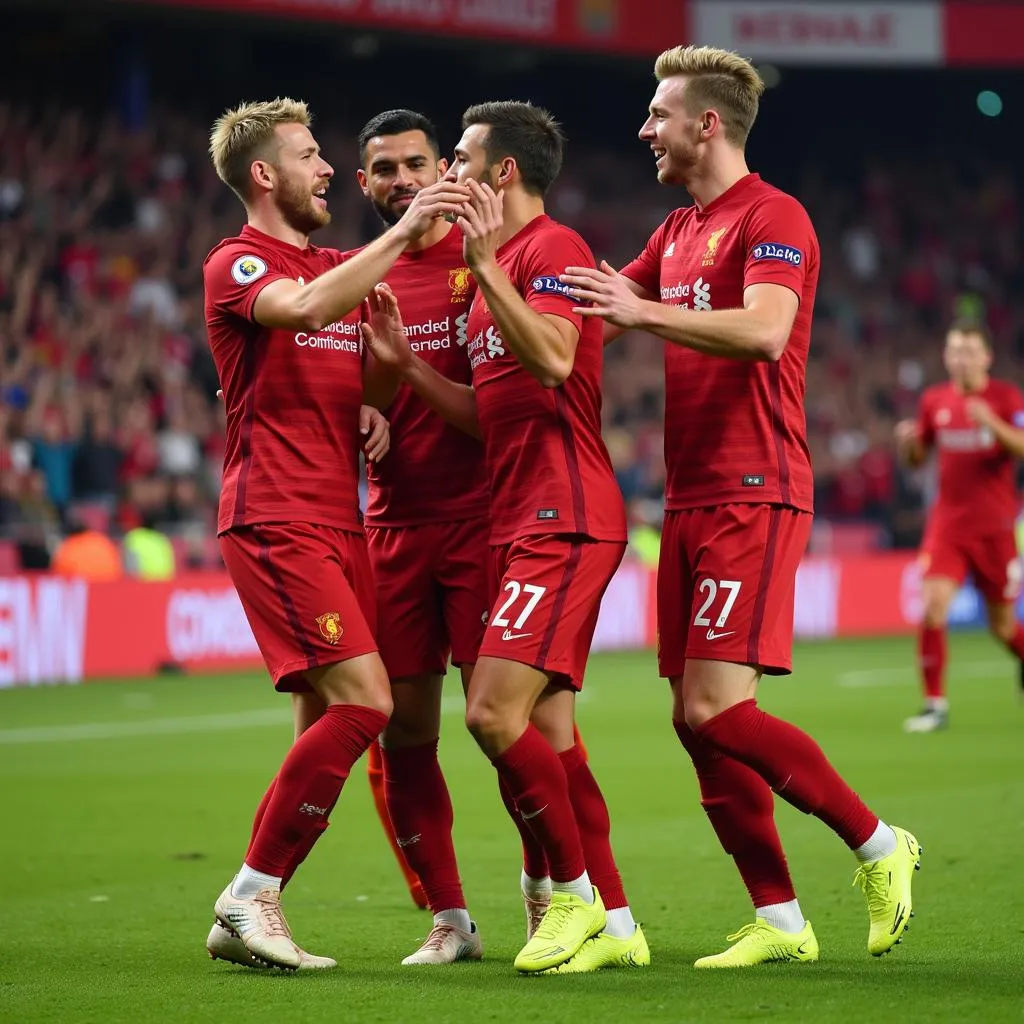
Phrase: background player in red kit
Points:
(289, 523)
(557, 521)
(426, 527)
(974, 423)
(730, 284)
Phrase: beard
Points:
(387, 213)
(299, 210)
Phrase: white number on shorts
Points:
(535, 592)
(710, 587)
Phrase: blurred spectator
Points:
(107, 408)
(87, 554)
(148, 554)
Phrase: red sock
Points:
(421, 810)
(931, 655)
(793, 765)
(595, 827)
(375, 776)
(536, 781)
(535, 860)
(309, 782)
(741, 809)
(260, 812)
(1016, 644)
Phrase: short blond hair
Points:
(719, 79)
(246, 133)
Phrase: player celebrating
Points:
(975, 424)
(289, 523)
(426, 529)
(557, 518)
(729, 283)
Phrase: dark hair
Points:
(528, 134)
(394, 122)
(971, 325)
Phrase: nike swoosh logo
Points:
(800, 949)
(712, 635)
(532, 814)
(509, 635)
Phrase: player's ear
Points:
(442, 168)
(361, 178)
(506, 169)
(262, 174)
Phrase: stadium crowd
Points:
(108, 415)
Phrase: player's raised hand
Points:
(384, 334)
(377, 431)
(437, 200)
(607, 292)
(481, 222)
(905, 433)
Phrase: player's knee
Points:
(699, 710)
(935, 615)
(1003, 628)
(491, 725)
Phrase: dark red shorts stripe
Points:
(761, 597)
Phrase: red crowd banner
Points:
(65, 630)
(639, 28)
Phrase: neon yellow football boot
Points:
(604, 950)
(567, 924)
(886, 884)
(761, 943)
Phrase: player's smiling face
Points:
(672, 131)
(396, 168)
(302, 178)
(967, 359)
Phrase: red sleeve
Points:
(538, 275)
(780, 244)
(235, 274)
(925, 427)
(646, 268)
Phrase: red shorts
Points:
(546, 593)
(726, 585)
(307, 592)
(432, 594)
(992, 562)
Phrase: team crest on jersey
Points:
(330, 627)
(459, 281)
(247, 268)
(709, 253)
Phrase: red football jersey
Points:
(292, 397)
(434, 472)
(735, 430)
(548, 467)
(977, 480)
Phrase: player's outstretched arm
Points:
(757, 331)
(385, 339)
(287, 304)
(544, 344)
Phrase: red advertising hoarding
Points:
(641, 27)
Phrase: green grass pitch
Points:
(126, 807)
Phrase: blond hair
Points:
(246, 133)
(719, 79)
